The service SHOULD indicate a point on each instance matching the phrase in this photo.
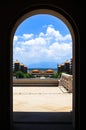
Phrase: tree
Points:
(19, 74)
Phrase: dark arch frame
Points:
(28, 7)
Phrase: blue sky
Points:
(42, 41)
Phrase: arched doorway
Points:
(69, 24)
(54, 49)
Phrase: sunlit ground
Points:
(41, 99)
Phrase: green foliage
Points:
(28, 75)
(55, 75)
(60, 73)
(19, 74)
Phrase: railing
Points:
(66, 81)
(35, 82)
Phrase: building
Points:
(19, 67)
(22, 67)
(16, 66)
(62, 67)
(35, 73)
(39, 73)
(25, 69)
(67, 67)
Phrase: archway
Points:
(62, 17)
(54, 48)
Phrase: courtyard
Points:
(41, 99)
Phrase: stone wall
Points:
(66, 81)
(35, 82)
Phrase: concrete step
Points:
(48, 117)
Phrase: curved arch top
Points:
(67, 19)
(17, 11)
(46, 11)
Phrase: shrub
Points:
(19, 74)
(55, 75)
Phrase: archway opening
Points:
(51, 39)
(45, 11)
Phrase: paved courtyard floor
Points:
(41, 99)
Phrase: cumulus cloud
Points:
(15, 38)
(44, 47)
(27, 36)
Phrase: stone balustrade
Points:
(66, 81)
(35, 82)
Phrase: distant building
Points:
(16, 66)
(37, 72)
(62, 68)
(67, 67)
(49, 72)
(22, 67)
(25, 69)
(59, 69)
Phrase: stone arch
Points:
(13, 20)
(70, 24)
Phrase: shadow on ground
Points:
(42, 121)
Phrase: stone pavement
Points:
(41, 99)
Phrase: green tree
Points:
(55, 75)
(28, 75)
(19, 74)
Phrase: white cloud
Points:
(41, 34)
(56, 35)
(67, 37)
(27, 36)
(49, 46)
(15, 38)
